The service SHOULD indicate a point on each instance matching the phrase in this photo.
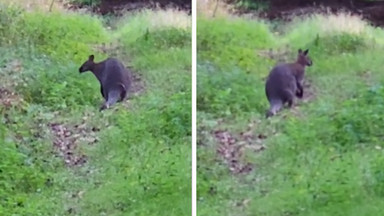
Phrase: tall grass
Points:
(298, 32)
(322, 156)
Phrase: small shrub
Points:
(62, 35)
(18, 180)
(352, 125)
(303, 30)
(150, 25)
(174, 119)
(339, 44)
(377, 173)
(162, 39)
(235, 41)
(47, 82)
(228, 92)
(9, 24)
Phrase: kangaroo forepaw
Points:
(299, 94)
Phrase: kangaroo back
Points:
(285, 81)
(117, 82)
(116, 74)
(280, 88)
(114, 78)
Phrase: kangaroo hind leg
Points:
(123, 92)
(113, 97)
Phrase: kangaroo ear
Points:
(306, 51)
(91, 57)
(300, 51)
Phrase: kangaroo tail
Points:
(275, 107)
(113, 97)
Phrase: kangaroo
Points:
(114, 78)
(285, 81)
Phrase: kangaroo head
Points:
(88, 65)
(303, 58)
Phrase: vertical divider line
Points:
(194, 157)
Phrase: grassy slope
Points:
(325, 156)
(141, 162)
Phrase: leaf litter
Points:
(232, 148)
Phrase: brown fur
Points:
(114, 78)
(285, 81)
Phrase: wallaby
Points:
(285, 81)
(114, 78)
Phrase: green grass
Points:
(324, 157)
(140, 164)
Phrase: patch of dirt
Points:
(67, 139)
(309, 91)
(12, 66)
(367, 76)
(233, 146)
(9, 98)
(10, 73)
(138, 85)
(281, 55)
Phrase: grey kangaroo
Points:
(114, 78)
(285, 81)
